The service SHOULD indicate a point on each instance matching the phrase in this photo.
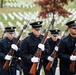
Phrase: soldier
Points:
(66, 48)
(29, 47)
(6, 44)
(49, 48)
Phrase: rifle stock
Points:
(11, 52)
(38, 53)
(6, 65)
(50, 62)
(72, 65)
(33, 69)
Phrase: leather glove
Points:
(50, 58)
(56, 48)
(8, 57)
(34, 59)
(13, 46)
(41, 46)
(73, 58)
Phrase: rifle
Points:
(72, 65)
(38, 53)
(3, 34)
(11, 52)
(54, 53)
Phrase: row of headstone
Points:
(11, 16)
(33, 17)
(2, 26)
(10, 0)
(19, 4)
(19, 25)
(28, 17)
(17, 16)
(4, 16)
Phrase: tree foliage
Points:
(53, 6)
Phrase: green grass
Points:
(71, 5)
(12, 9)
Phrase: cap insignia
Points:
(38, 23)
(75, 22)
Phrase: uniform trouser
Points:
(15, 70)
(52, 69)
(27, 72)
(18, 69)
(4, 72)
(50, 72)
(39, 66)
(10, 71)
(65, 70)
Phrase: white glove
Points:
(19, 58)
(50, 58)
(8, 57)
(34, 59)
(13, 46)
(56, 48)
(73, 58)
(41, 46)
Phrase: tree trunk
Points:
(75, 1)
(1, 3)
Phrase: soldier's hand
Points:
(14, 47)
(73, 58)
(41, 46)
(34, 59)
(8, 57)
(56, 48)
(50, 58)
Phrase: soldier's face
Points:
(9, 35)
(72, 32)
(54, 38)
(36, 32)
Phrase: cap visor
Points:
(11, 32)
(38, 28)
(55, 35)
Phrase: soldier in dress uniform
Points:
(50, 44)
(6, 44)
(29, 47)
(66, 48)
